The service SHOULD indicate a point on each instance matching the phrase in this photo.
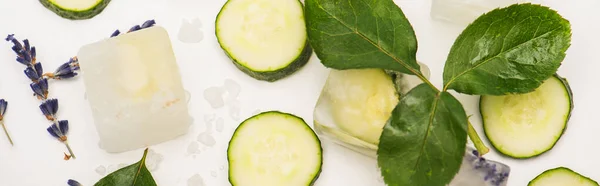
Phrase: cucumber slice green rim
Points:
(76, 9)
(561, 176)
(274, 148)
(528, 125)
(265, 39)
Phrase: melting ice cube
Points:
(134, 88)
(463, 12)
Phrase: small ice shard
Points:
(121, 165)
(206, 139)
(213, 173)
(101, 170)
(232, 87)
(220, 125)
(209, 118)
(197, 22)
(464, 12)
(153, 159)
(234, 112)
(193, 148)
(195, 180)
(214, 96)
(135, 90)
(112, 168)
(190, 32)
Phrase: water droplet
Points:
(190, 32)
(206, 139)
(214, 96)
(101, 170)
(193, 148)
(213, 173)
(220, 125)
(153, 159)
(195, 180)
(222, 167)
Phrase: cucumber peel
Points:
(76, 9)
(273, 149)
(527, 125)
(561, 176)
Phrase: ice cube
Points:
(134, 88)
(463, 12)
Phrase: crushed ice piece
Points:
(195, 180)
(214, 96)
(101, 170)
(121, 165)
(206, 139)
(190, 32)
(232, 87)
(112, 168)
(193, 148)
(153, 159)
(220, 125)
(213, 173)
(234, 112)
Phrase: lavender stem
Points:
(6, 132)
(70, 151)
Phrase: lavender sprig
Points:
(3, 107)
(71, 182)
(26, 55)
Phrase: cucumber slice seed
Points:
(76, 9)
(561, 176)
(527, 125)
(266, 39)
(273, 149)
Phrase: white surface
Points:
(36, 158)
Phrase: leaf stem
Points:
(481, 148)
(479, 145)
(6, 132)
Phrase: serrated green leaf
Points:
(352, 34)
(133, 175)
(508, 50)
(425, 139)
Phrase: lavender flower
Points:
(40, 89)
(146, 24)
(73, 183)
(59, 131)
(66, 70)
(3, 106)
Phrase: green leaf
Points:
(508, 50)
(425, 139)
(352, 34)
(132, 175)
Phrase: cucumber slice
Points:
(274, 149)
(266, 39)
(561, 176)
(527, 125)
(76, 9)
